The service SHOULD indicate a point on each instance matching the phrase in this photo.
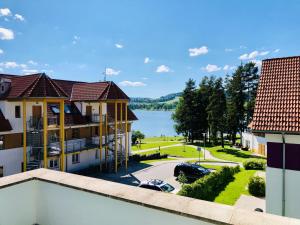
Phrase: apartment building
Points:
(277, 117)
(62, 125)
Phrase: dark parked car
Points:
(191, 171)
(157, 185)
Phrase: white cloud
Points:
(257, 62)
(111, 72)
(19, 17)
(145, 78)
(228, 49)
(75, 39)
(198, 51)
(276, 50)
(253, 55)
(32, 62)
(119, 45)
(243, 47)
(132, 83)
(146, 60)
(227, 67)
(6, 34)
(163, 69)
(5, 12)
(211, 68)
(1, 51)
(12, 64)
(29, 71)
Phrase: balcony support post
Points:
(116, 138)
(100, 134)
(121, 129)
(24, 136)
(45, 132)
(126, 137)
(107, 136)
(62, 133)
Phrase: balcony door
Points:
(88, 112)
(36, 114)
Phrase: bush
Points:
(139, 158)
(209, 187)
(257, 186)
(255, 164)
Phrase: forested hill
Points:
(167, 102)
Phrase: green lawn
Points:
(156, 144)
(152, 139)
(209, 166)
(178, 151)
(157, 160)
(231, 154)
(235, 188)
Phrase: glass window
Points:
(1, 142)
(75, 158)
(68, 109)
(53, 163)
(55, 109)
(17, 111)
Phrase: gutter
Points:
(283, 174)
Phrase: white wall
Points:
(95, 107)
(274, 183)
(274, 192)
(254, 140)
(18, 204)
(11, 160)
(58, 205)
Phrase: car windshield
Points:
(167, 188)
(201, 169)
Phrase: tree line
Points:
(154, 106)
(217, 106)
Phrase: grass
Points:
(163, 138)
(177, 151)
(209, 166)
(236, 188)
(157, 160)
(231, 154)
(148, 145)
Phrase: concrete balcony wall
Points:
(49, 197)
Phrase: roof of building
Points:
(277, 107)
(40, 85)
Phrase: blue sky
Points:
(150, 48)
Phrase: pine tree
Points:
(184, 115)
(216, 111)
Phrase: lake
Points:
(154, 123)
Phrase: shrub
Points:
(255, 164)
(209, 187)
(138, 157)
(257, 186)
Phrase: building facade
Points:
(277, 116)
(62, 125)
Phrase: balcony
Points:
(71, 146)
(37, 123)
(95, 118)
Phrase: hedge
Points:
(255, 164)
(139, 158)
(209, 187)
(257, 186)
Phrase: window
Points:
(17, 111)
(55, 109)
(1, 171)
(2, 88)
(75, 133)
(1, 142)
(53, 163)
(96, 131)
(75, 158)
(68, 109)
(97, 154)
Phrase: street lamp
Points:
(204, 137)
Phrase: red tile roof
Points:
(277, 107)
(35, 85)
(88, 91)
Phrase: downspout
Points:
(283, 175)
